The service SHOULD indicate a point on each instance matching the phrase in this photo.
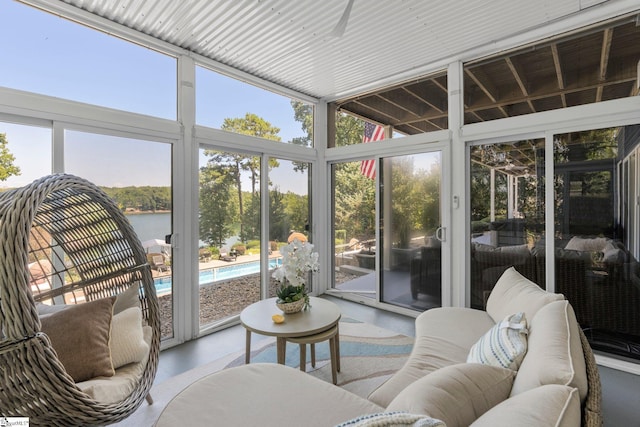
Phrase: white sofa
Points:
(555, 383)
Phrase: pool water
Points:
(217, 274)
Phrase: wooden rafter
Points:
(515, 70)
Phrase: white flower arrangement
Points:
(298, 259)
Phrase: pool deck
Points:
(213, 263)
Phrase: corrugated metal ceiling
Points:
(290, 43)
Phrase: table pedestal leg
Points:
(247, 348)
(303, 357)
(281, 346)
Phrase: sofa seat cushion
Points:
(514, 293)
(268, 393)
(548, 405)
(555, 353)
(444, 337)
(457, 394)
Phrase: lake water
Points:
(150, 226)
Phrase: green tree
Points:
(217, 210)
(279, 225)
(235, 163)
(7, 166)
(297, 211)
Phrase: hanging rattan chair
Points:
(80, 248)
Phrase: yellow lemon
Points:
(277, 318)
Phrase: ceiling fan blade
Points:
(341, 26)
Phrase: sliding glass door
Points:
(410, 230)
(136, 174)
(229, 234)
(387, 225)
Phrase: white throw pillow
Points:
(127, 340)
(504, 345)
(127, 299)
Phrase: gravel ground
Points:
(221, 300)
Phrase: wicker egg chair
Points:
(86, 250)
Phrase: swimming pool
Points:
(217, 274)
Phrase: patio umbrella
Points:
(297, 235)
(155, 243)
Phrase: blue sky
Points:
(59, 58)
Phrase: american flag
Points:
(371, 133)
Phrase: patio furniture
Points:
(93, 264)
(426, 273)
(158, 263)
(228, 256)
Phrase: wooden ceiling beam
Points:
(607, 37)
(557, 63)
(422, 99)
(518, 75)
(483, 83)
(397, 105)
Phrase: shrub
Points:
(239, 248)
(253, 244)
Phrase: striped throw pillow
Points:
(503, 345)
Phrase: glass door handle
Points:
(441, 234)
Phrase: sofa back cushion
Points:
(515, 293)
(457, 394)
(554, 354)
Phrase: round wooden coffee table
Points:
(321, 317)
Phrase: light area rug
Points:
(369, 355)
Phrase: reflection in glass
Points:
(507, 214)
(596, 268)
(411, 253)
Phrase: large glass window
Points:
(595, 220)
(57, 57)
(140, 183)
(229, 224)
(235, 106)
(25, 154)
(507, 214)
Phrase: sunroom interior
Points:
(501, 124)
